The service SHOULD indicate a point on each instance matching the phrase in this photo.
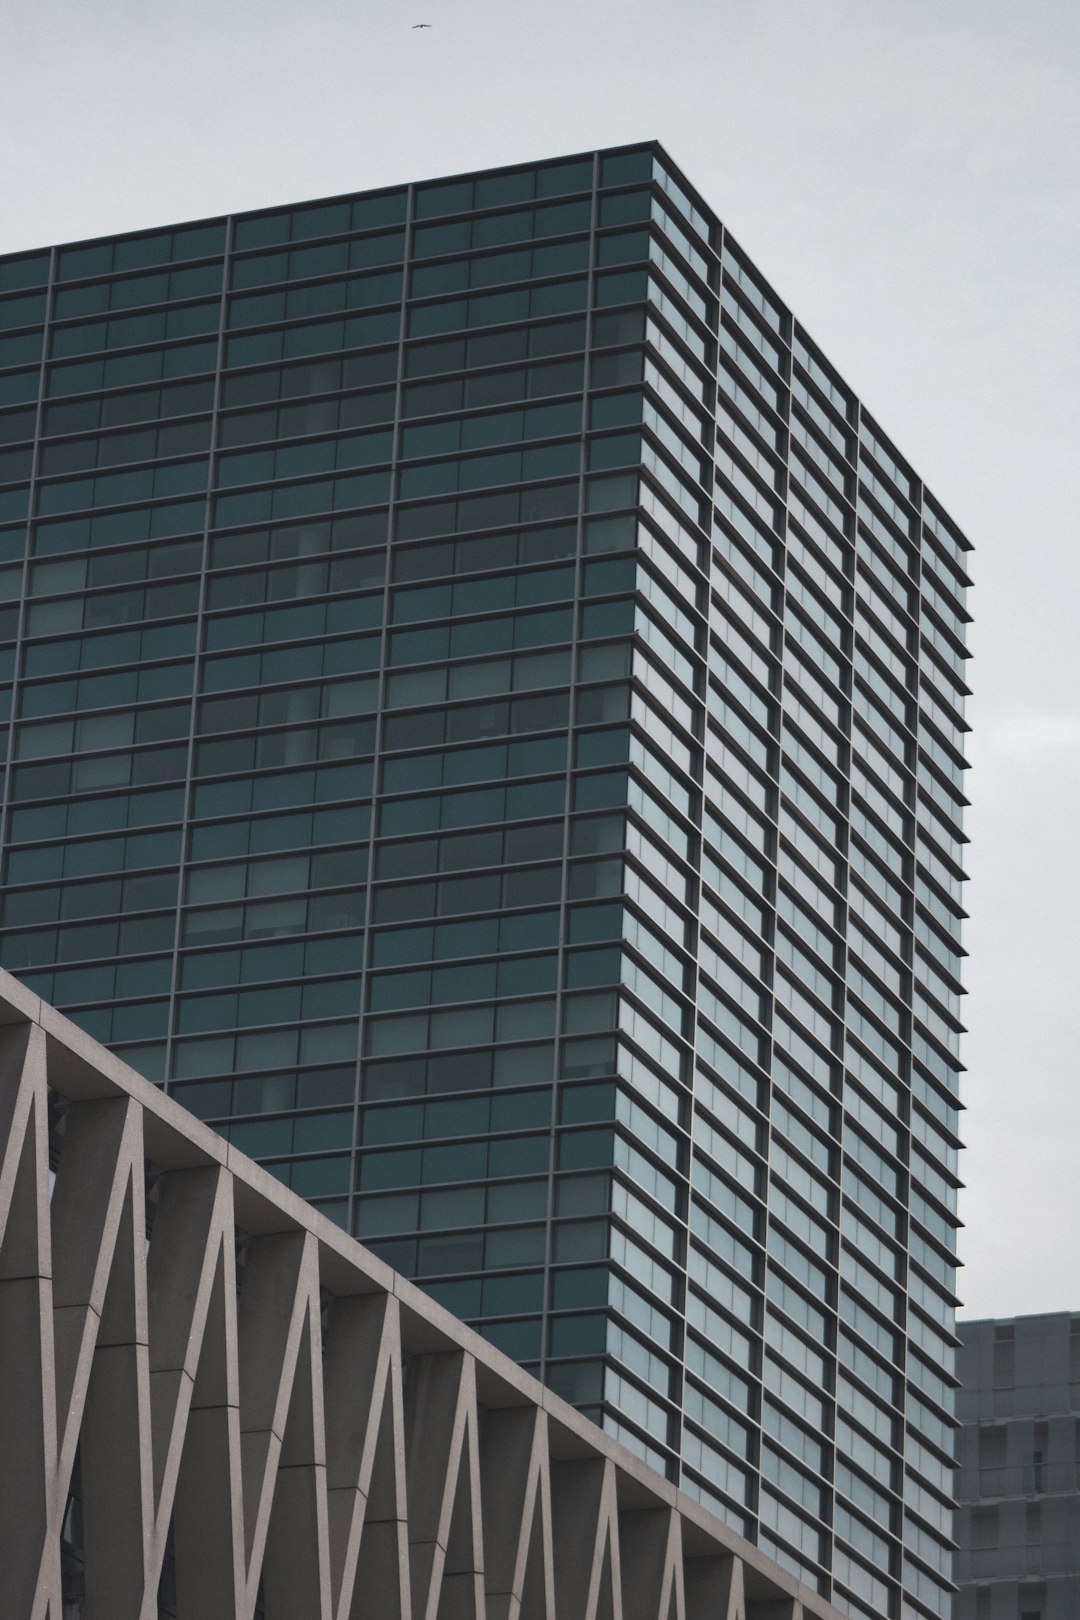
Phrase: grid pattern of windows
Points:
(485, 720)
(1018, 1468)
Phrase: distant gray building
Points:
(1019, 1524)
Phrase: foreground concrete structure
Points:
(215, 1405)
(1019, 1476)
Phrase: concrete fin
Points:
(296, 1562)
(183, 1262)
(515, 1485)
(208, 1529)
(365, 1453)
(206, 1494)
(605, 1596)
(382, 1566)
(461, 1596)
(650, 1546)
(24, 1193)
(279, 1278)
(29, 1554)
(217, 1374)
(443, 1480)
(384, 1537)
(537, 1580)
(114, 1437)
(673, 1591)
(714, 1589)
(100, 1155)
(382, 1470)
(586, 1541)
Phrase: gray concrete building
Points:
(214, 1405)
(1019, 1444)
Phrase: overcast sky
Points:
(904, 172)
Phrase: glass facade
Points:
(486, 723)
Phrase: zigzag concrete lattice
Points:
(215, 1405)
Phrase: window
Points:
(984, 1527)
(1004, 1357)
(992, 1446)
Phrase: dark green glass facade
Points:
(486, 721)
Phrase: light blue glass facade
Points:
(487, 706)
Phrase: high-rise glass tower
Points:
(486, 721)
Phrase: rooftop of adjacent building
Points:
(1019, 1367)
(1043, 1324)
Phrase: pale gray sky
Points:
(905, 173)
